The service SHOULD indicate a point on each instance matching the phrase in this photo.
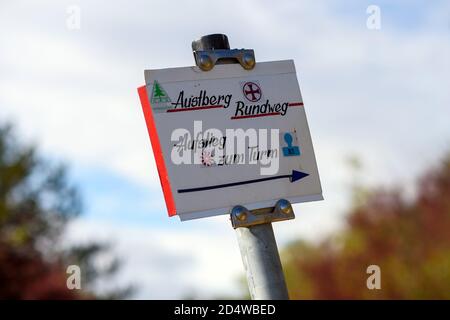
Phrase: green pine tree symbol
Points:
(159, 95)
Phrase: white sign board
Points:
(229, 137)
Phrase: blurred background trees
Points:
(408, 239)
(36, 203)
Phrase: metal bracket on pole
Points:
(259, 250)
(214, 49)
(207, 59)
(242, 217)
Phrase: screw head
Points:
(242, 216)
(205, 62)
(240, 213)
(285, 206)
(248, 60)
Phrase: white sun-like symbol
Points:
(207, 158)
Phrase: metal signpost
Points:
(229, 96)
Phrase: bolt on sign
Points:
(229, 137)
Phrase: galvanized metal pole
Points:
(259, 250)
(262, 262)
(254, 230)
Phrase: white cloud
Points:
(79, 99)
(169, 263)
(379, 94)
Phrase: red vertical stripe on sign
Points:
(162, 171)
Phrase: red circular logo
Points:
(252, 92)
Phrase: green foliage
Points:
(408, 240)
(36, 203)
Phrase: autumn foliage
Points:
(37, 201)
(408, 239)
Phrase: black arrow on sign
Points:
(296, 175)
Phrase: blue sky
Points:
(379, 94)
(115, 198)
